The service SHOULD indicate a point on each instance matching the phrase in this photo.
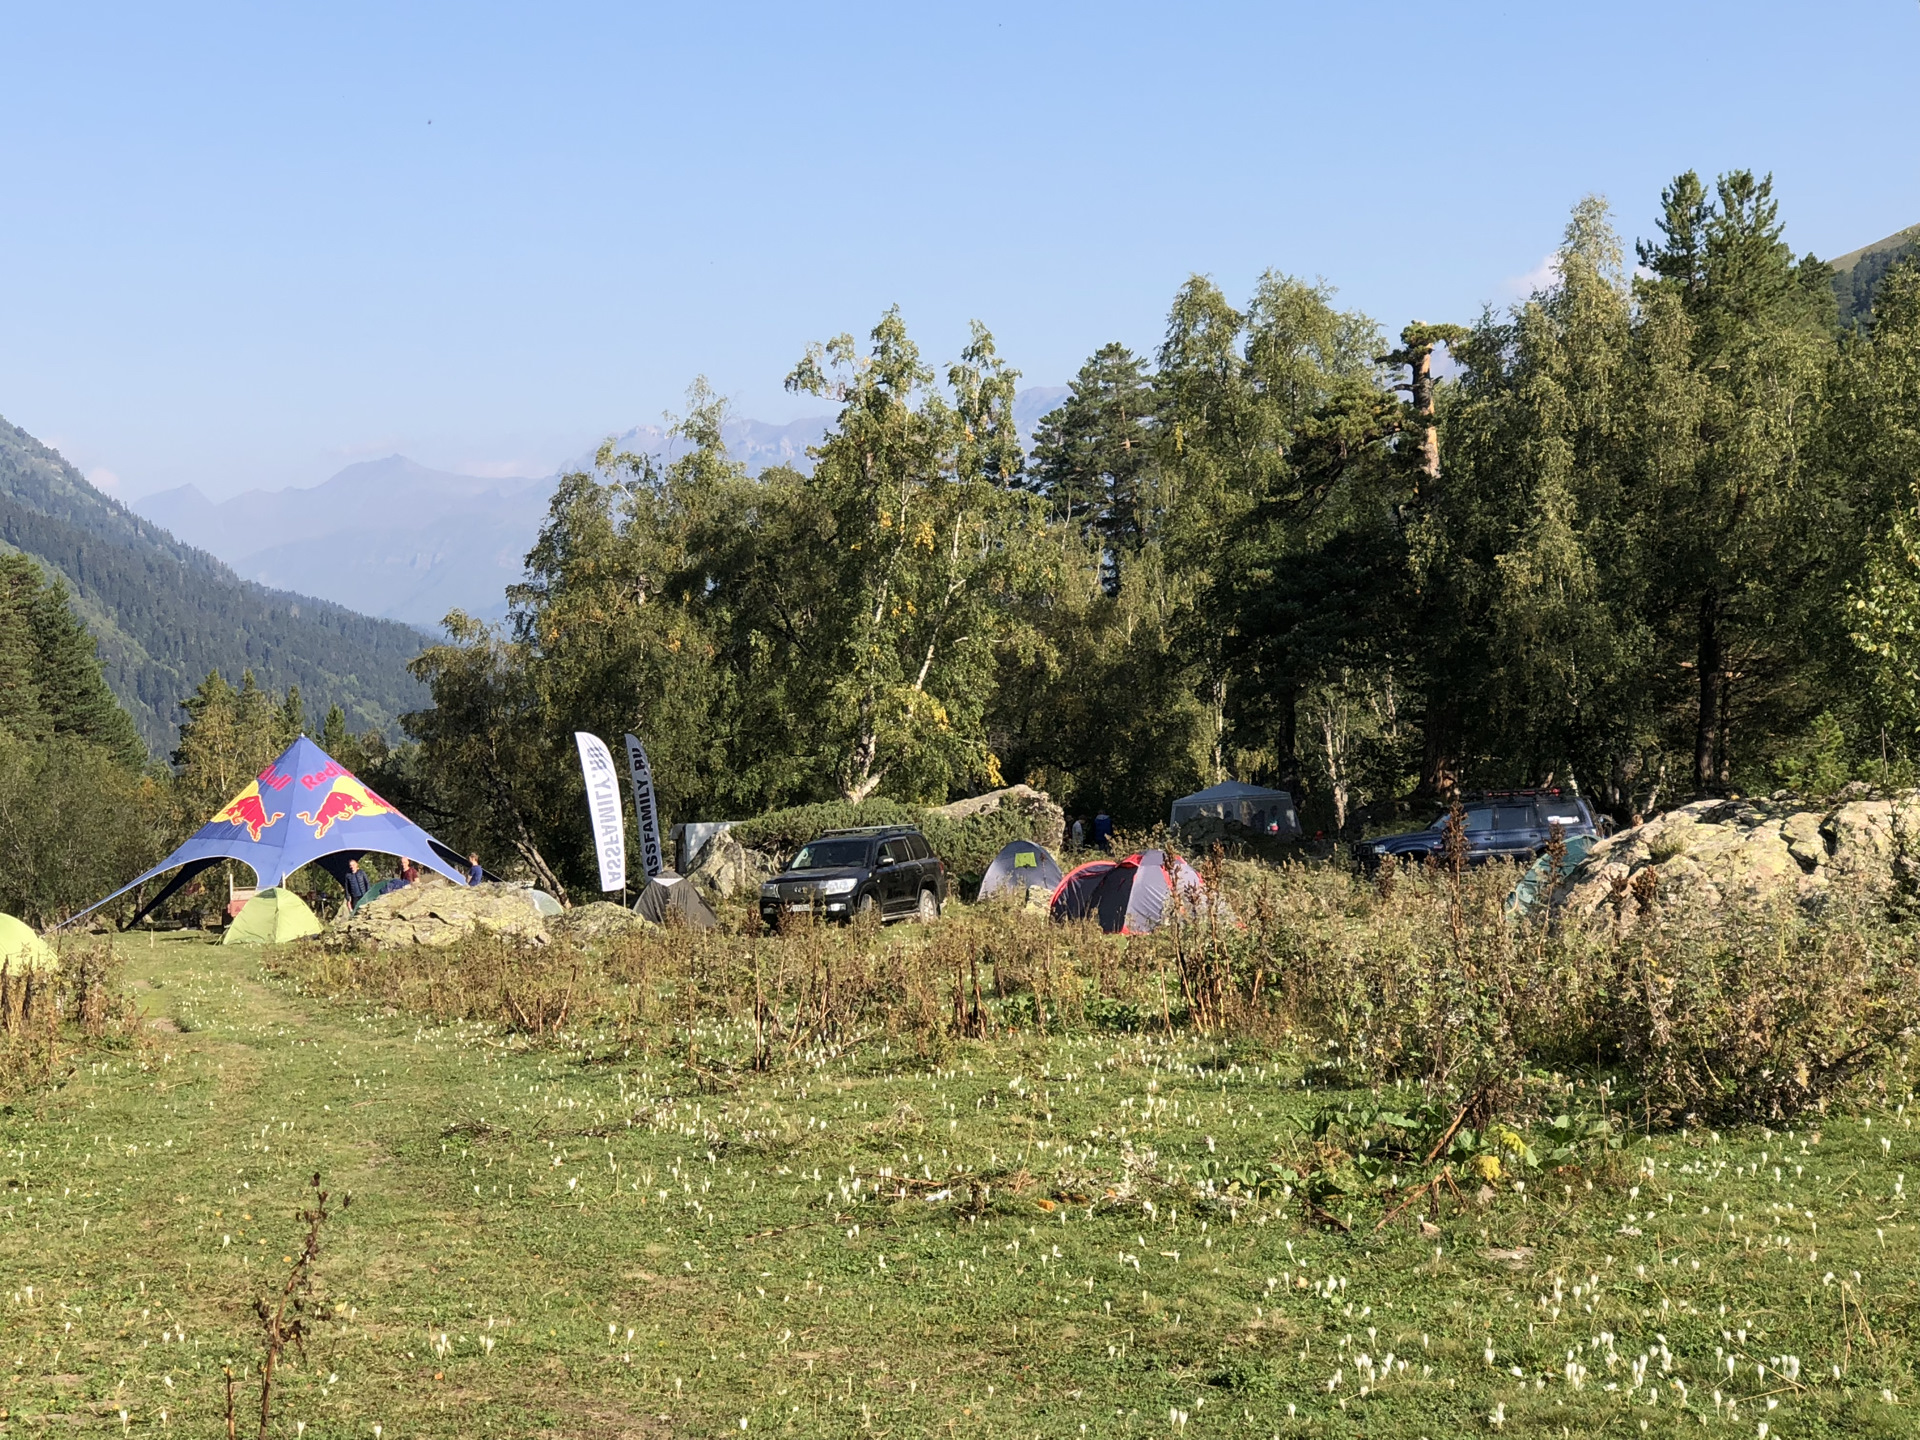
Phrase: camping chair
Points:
(238, 896)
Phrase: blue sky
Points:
(246, 246)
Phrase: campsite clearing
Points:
(582, 1240)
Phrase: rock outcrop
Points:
(434, 911)
(595, 922)
(1719, 852)
(1049, 822)
(725, 868)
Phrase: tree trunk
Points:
(1333, 736)
(1440, 760)
(1711, 659)
(1421, 392)
(1218, 697)
(861, 779)
(1286, 738)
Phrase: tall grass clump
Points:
(1417, 978)
(49, 1014)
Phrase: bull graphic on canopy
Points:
(346, 798)
(247, 809)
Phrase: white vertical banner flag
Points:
(646, 813)
(603, 809)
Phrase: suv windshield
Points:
(830, 854)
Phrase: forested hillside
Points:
(1857, 275)
(166, 614)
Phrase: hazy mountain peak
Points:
(407, 542)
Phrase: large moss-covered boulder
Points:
(434, 911)
(1718, 852)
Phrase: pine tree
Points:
(227, 738)
(333, 733)
(72, 691)
(1089, 454)
(1735, 352)
(20, 713)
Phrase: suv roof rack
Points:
(1550, 792)
(870, 830)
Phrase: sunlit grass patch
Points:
(1019, 1234)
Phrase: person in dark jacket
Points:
(356, 884)
(1103, 830)
(476, 872)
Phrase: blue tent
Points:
(305, 808)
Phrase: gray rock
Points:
(725, 868)
(598, 921)
(434, 911)
(1715, 852)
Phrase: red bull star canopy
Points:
(304, 808)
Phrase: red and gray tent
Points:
(1130, 896)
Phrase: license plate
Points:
(800, 905)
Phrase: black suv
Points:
(1501, 825)
(889, 869)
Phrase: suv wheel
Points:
(929, 907)
(867, 904)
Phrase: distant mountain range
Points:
(395, 539)
(388, 537)
(165, 613)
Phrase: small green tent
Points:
(21, 950)
(272, 917)
(1539, 886)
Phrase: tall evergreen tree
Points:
(1737, 343)
(20, 712)
(50, 676)
(1090, 454)
(72, 690)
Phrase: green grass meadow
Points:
(595, 1238)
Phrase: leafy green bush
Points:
(1756, 1014)
(75, 824)
(782, 832)
(968, 846)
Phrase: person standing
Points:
(356, 884)
(1079, 833)
(476, 872)
(1103, 830)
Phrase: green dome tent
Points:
(272, 917)
(21, 950)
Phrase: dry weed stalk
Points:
(278, 1330)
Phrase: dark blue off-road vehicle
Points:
(1500, 825)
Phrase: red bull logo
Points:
(346, 798)
(246, 809)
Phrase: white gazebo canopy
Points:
(1270, 812)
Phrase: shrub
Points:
(968, 846)
(1424, 985)
(784, 831)
(1755, 1014)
